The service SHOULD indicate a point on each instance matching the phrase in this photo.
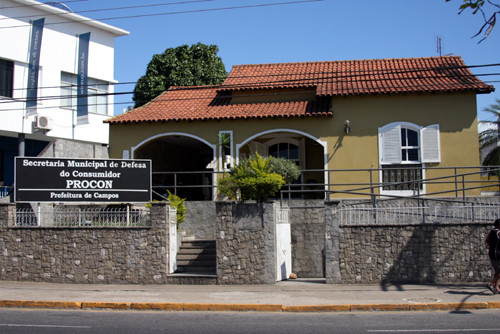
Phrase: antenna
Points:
(438, 42)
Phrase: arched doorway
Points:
(307, 151)
(181, 163)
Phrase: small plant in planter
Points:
(224, 142)
(175, 202)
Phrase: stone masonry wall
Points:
(404, 252)
(307, 219)
(87, 254)
(444, 253)
(307, 228)
(200, 220)
(245, 243)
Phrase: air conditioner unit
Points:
(43, 123)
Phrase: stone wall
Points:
(87, 254)
(403, 252)
(245, 243)
(431, 252)
(425, 253)
(307, 219)
(200, 220)
(307, 226)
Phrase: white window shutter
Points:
(391, 144)
(430, 147)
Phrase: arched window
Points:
(292, 150)
(285, 150)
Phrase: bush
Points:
(286, 168)
(253, 179)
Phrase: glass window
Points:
(290, 152)
(285, 150)
(409, 145)
(97, 93)
(6, 78)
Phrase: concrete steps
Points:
(197, 257)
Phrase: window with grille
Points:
(403, 149)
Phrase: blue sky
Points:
(313, 31)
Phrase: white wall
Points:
(58, 53)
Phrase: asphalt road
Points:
(22, 321)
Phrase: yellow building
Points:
(384, 126)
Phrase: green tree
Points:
(490, 138)
(489, 9)
(194, 65)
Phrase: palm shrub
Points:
(252, 179)
(490, 138)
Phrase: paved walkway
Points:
(291, 296)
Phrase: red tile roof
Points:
(329, 78)
(203, 103)
(357, 77)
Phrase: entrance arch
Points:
(306, 150)
(179, 160)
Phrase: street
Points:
(21, 321)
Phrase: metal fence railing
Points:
(91, 217)
(454, 181)
(402, 213)
(420, 180)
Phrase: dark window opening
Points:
(6, 78)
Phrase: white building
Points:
(55, 117)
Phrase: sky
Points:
(325, 30)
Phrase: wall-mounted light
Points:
(347, 126)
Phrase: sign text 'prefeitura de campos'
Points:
(82, 180)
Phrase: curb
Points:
(213, 307)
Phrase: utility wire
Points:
(353, 75)
(249, 86)
(392, 87)
(108, 9)
(172, 13)
(290, 82)
(38, 4)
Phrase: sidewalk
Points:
(290, 296)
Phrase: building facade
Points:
(348, 124)
(39, 69)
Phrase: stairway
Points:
(197, 258)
